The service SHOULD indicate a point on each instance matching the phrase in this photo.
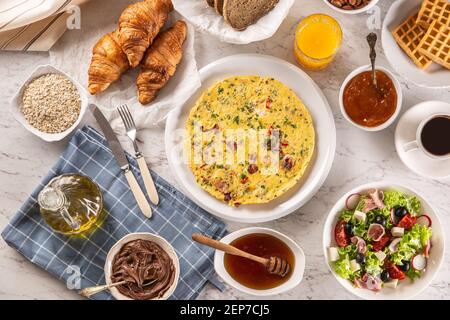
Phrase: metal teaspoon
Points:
(372, 40)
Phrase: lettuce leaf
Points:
(412, 242)
(385, 212)
(393, 199)
(346, 215)
(373, 264)
(342, 266)
(413, 273)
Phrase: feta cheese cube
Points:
(333, 254)
(361, 216)
(354, 266)
(391, 283)
(380, 255)
(397, 232)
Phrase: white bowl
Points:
(163, 243)
(293, 281)
(363, 9)
(16, 104)
(406, 289)
(398, 88)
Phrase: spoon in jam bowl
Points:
(372, 40)
(274, 265)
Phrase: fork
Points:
(131, 130)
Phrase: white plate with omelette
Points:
(255, 142)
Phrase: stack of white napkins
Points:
(36, 25)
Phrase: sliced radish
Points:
(424, 220)
(426, 252)
(419, 262)
(347, 202)
(376, 231)
(393, 246)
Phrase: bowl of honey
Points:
(251, 277)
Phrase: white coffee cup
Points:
(418, 145)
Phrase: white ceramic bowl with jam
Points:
(160, 241)
(367, 7)
(396, 86)
(292, 280)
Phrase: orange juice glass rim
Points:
(321, 18)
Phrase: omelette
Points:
(249, 139)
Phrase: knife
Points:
(122, 160)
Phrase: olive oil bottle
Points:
(71, 204)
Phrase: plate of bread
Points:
(416, 40)
(235, 21)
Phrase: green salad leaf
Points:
(342, 266)
(413, 273)
(373, 265)
(346, 215)
(349, 251)
(412, 241)
(393, 199)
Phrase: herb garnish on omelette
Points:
(250, 139)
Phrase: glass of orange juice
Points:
(317, 40)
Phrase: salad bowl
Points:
(407, 288)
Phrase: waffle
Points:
(432, 10)
(408, 35)
(436, 44)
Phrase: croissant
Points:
(139, 24)
(107, 64)
(160, 62)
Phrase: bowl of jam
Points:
(370, 107)
(251, 277)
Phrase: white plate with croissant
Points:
(307, 91)
(145, 58)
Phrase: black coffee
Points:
(436, 136)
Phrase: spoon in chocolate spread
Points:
(274, 265)
(90, 291)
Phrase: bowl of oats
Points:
(50, 104)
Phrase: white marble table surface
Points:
(360, 157)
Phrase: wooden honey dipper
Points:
(274, 265)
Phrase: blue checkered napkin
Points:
(175, 219)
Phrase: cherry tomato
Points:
(407, 222)
(382, 243)
(340, 236)
(394, 271)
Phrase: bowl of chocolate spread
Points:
(147, 262)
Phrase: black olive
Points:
(348, 228)
(380, 220)
(360, 258)
(385, 276)
(405, 265)
(400, 212)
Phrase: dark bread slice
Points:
(218, 5)
(242, 13)
(210, 3)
